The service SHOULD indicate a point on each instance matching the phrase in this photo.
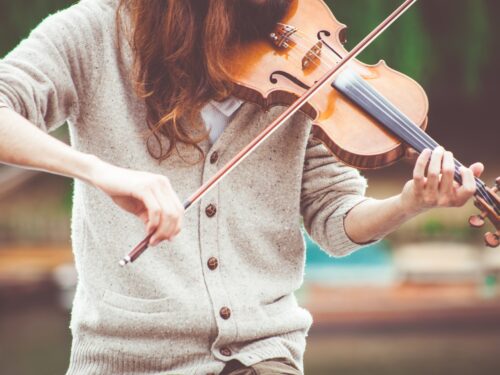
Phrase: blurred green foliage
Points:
(432, 42)
(18, 17)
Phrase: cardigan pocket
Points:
(138, 305)
(282, 305)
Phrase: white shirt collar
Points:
(229, 106)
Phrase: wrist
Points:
(408, 207)
(90, 166)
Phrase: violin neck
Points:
(371, 101)
(350, 84)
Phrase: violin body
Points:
(367, 116)
(268, 74)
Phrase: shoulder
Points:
(98, 5)
(96, 10)
(84, 29)
(83, 18)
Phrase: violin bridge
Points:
(313, 56)
(282, 34)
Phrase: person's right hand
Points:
(148, 196)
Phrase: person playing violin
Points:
(145, 91)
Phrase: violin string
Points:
(304, 45)
(407, 127)
(415, 134)
(298, 53)
(364, 96)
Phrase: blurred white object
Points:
(352, 275)
(439, 262)
(66, 278)
(492, 261)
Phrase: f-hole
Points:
(288, 76)
(326, 33)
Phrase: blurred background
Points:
(426, 300)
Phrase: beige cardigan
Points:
(165, 313)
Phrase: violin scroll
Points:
(488, 212)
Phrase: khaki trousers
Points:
(278, 366)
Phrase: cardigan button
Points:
(225, 313)
(226, 352)
(211, 210)
(214, 157)
(213, 263)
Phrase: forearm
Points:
(24, 145)
(373, 219)
(432, 186)
(146, 195)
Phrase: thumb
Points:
(477, 169)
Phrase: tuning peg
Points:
(492, 239)
(477, 221)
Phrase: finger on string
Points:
(477, 169)
(434, 170)
(468, 187)
(419, 170)
(448, 173)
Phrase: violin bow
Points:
(286, 115)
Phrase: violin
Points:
(366, 115)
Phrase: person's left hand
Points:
(433, 183)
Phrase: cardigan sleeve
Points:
(44, 77)
(330, 189)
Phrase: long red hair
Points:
(179, 49)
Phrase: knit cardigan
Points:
(224, 288)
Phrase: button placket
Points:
(208, 218)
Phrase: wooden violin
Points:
(366, 115)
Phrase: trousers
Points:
(277, 366)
